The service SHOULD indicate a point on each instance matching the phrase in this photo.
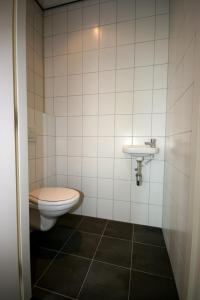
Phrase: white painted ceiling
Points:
(51, 3)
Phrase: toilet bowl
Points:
(48, 203)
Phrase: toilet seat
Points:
(53, 196)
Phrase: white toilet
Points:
(48, 203)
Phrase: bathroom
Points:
(102, 173)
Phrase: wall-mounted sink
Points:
(140, 150)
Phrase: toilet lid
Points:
(52, 194)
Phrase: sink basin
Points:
(140, 150)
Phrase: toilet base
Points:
(39, 222)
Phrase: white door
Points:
(14, 214)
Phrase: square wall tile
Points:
(107, 104)
(162, 6)
(90, 146)
(74, 18)
(61, 165)
(125, 56)
(123, 125)
(61, 146)
(157, 171)
(106, 125)
(59, 44)
(89, 187)
(158, 124)
(145, 28)
(121, 211)
(143, 101)
(142, 125)
(75, 146)
(107, 82)
(159, 100)
(89, 167)
(60, 65)
(90, 61)
(143, 78)
(61, 126)
(122, 169)
(74, 105)
(144, 54)
(139, 213)
(156, 193)
(90, 83)
(107, 59)
(162, 26)
(161, 51)
(89, 207)
(105, 208)
(90, 104)
(160, 76)
(74, 63)
(59, 23)
(74, 85)
(124, 103)
(75, 125)
(74, 41)
(105, 167)
(107, 36)
(125, 33)
(145, 8)
(90, 125)
(124, 80)
(122, 190)
(125, 10)
(60, 86)
(155, 215)
(108, 12)
(105, 188)
(90, 39)
(91, 16)
(106, 147)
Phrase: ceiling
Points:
(52, 3)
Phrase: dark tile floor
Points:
(94, 259)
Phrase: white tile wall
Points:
(107, 63)
(181, 125)
(42, 163)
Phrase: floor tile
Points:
(151, 259)
(69, 220)
(93, 225)
(66, 275)
(40, 259)
(52, 239)
(119, 229)
(39, 294)
(148, 235)
(82, 243)
(156, 288)
(106, 282)
(114, 251)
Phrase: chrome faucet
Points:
(152, 143)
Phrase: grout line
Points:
(129, 290)
(111, 264)
(59, 251)
(153, 274)
(55, 293)
(92, 260)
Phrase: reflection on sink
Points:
(140, 150)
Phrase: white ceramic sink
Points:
(140, 150)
